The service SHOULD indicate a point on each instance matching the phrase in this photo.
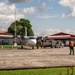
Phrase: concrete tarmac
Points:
(37, 58)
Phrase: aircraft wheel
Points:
(33, 47)
(37, 47)
(21, 47)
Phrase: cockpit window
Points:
(32, 37)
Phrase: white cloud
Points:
(47, 16)
(69, 31)
(71, 5)
(5, 9)
(7, 15)
(48, 32)
(54, 31)
(30, 10)
(34, 10)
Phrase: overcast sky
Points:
(46, 16)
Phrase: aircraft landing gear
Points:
(21, 47)
(37, 47)
(32, 47)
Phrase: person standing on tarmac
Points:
(71, 45)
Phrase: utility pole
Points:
(15, 43)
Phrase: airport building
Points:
(5, 37)
(64, 37)
(61, 36)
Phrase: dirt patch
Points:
(22, 58)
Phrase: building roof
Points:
(3, 31)
(61, 35)
(5, 34)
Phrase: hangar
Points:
(62, 35)
(65, 37)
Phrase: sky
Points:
(46, 16)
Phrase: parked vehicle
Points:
(49, 43)
(53, 43)
(5, 42)
(59, 44)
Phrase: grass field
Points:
(47, 71)
(8, 46)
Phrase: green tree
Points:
(20, 27)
